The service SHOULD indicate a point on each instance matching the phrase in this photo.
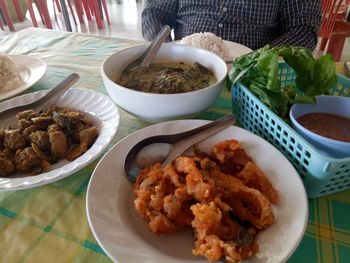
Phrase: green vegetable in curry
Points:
(259, 72)
(170, 77)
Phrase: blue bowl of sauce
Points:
(326, 124)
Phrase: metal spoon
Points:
(147, 56)
(44, 102)
(165, 148)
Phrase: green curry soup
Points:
(168, 77)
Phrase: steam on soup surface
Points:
(168, 77)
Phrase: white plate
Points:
(125, 237)
(236, 50)
(98, 107)
(31, 70)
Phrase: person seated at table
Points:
(251, 23)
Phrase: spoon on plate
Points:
(44, 102)
(147, 56)
(165, 148)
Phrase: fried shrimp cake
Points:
(248, 203)
(165, 207)
(218, 236)
(253, 177)
(195, 183)
(223, 195)
(230, 154)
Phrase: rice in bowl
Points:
(208, 41)
(10, 77)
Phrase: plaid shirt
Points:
(253, 23)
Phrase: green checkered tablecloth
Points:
(49, 224)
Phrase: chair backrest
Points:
(330, 9)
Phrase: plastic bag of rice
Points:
(10, 77)
(208, 41)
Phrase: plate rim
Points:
(113, 148)
(245, 49)
(44, 180)
(228, 44)
(42, 70)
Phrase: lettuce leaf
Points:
(259, 72)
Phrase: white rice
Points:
(208, 41)
(10, 77)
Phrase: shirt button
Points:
(221, 25)
(224, 9)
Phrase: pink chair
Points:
(18, 10)
(71, 10)
(86, 6)
(332, 10)
(5, 12)
(92, 7)
(66, 15)
(96, 11)
(79, 8)
(105, 10)
(37, 4)
(43, 10)
(8, 19)
(63, 6)
(58, 5)
(334, 27)
(31, 13)
(336, 42)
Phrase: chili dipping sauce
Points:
(327, 124)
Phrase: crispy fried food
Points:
(59, 144)
(14, 140)
(226, 151)
(230, 154)
(223, 195)
(6, 167)
(42, 138)
(247, 203)
(26, 159)
(218, 236)
(202, 191)
(86, 138)
(161, 203)
(253, 177)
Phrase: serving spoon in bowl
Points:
(165, 148)
(147, 56)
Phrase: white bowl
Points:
(160, 107)
(327, 104)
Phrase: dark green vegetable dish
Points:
(168, 78)
(258, 71)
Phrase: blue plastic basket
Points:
(322, 175)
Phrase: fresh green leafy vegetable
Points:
(259, 72)
(63, 122)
